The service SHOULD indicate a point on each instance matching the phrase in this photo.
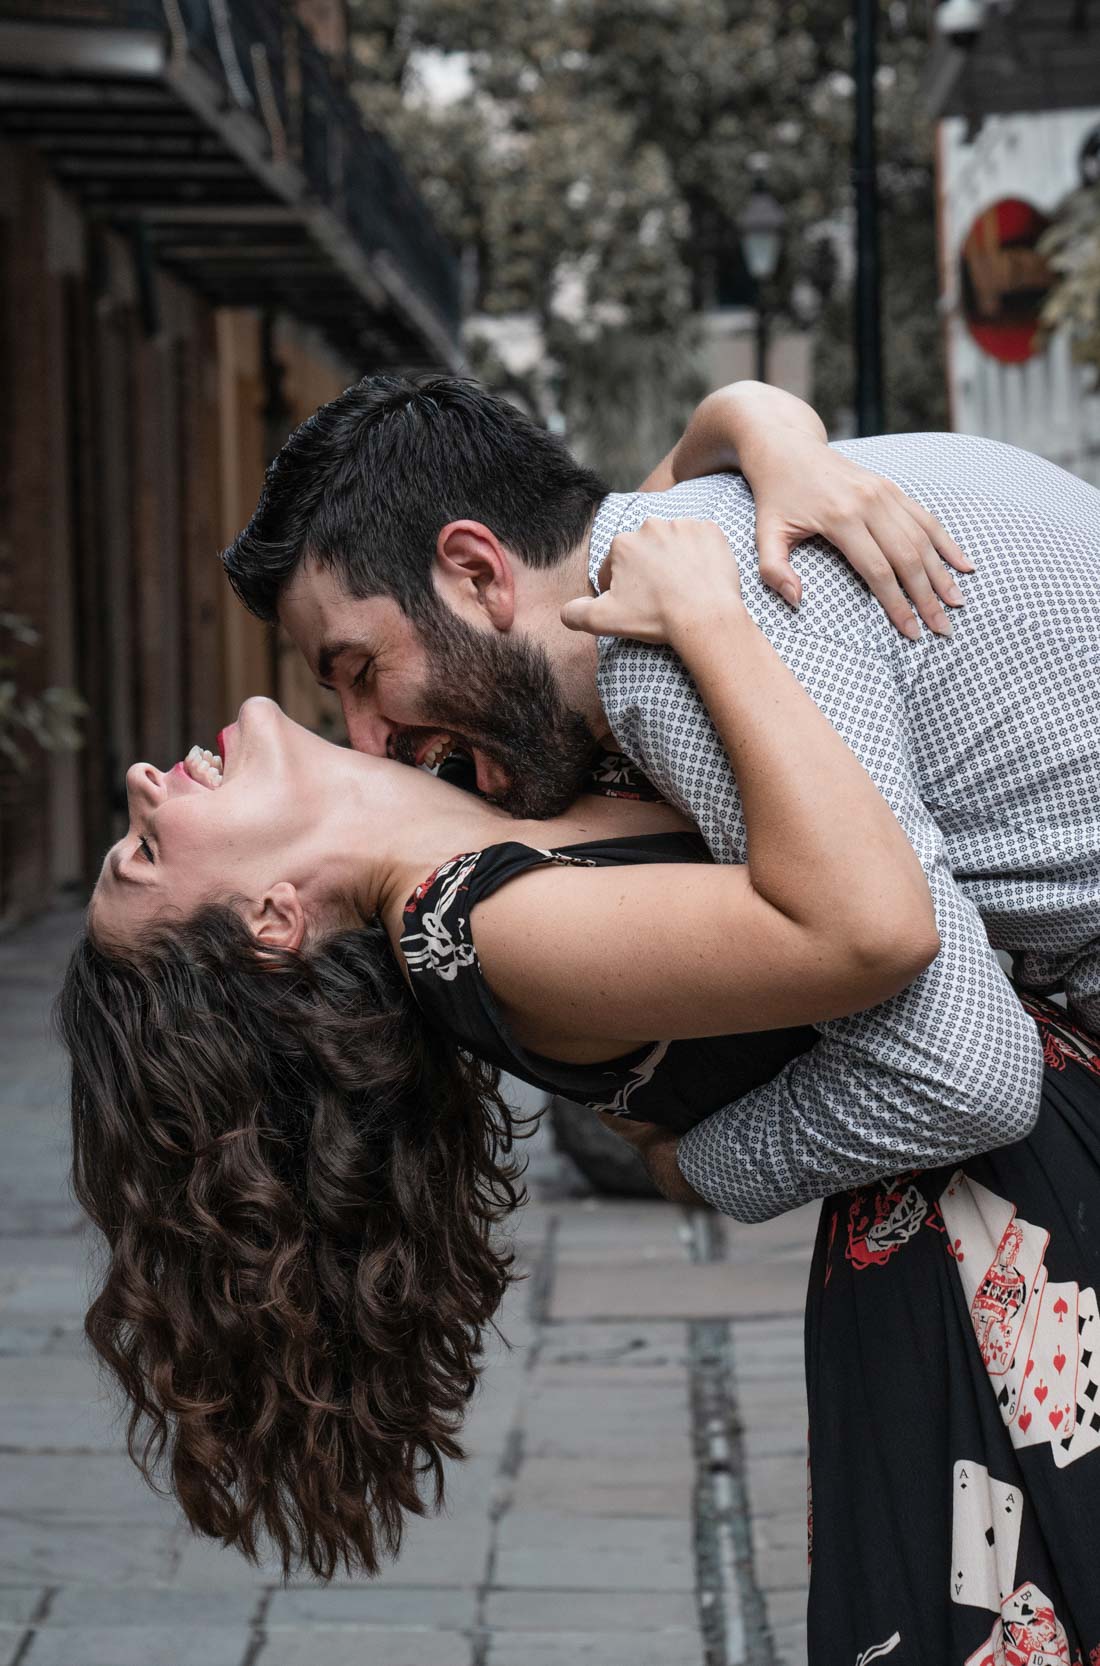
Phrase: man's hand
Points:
(656, 1146)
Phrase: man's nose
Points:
(368, 732)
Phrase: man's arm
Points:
(1083, 993)
(950, 1067)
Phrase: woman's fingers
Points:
(897, 547)
(918, 569)
(865, 555)
(610, 615)
(937, 534)
(774, 543)
(583, 614)
(664, 578)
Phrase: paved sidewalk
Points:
(635, 1491)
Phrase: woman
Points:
(297, 1172)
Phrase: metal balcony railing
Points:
(264, 98)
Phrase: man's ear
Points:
(473, 573)
(278, 920)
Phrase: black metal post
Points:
(761, 336)
(869, 407)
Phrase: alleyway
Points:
(634, 1494)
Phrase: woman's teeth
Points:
(203, 766)
(436, 753)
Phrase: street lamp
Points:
(761, 225)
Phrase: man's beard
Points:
(499, 693)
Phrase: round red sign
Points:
(1004, 279)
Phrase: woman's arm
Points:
(831, 913)
(723, 426)
(803, 488)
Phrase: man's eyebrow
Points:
(329, 653)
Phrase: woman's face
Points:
(192, 841)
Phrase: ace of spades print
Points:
(986, 1517)
(985, 1536)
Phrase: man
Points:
(420, 544)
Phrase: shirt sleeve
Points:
(1076, 975)
(1083, 993)
(950, 1067)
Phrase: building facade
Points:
(1017, 94)
(1012, 164)
(199, 243)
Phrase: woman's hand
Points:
(803, 488)
(660, 583)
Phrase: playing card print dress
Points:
(953, 1363)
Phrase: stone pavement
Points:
(635, 1488)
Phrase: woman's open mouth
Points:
(208, 768)
(204, 766)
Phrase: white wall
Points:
(1042, 405)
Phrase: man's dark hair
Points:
(365, 485)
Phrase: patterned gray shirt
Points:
(986, 746)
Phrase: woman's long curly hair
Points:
(299, 1184)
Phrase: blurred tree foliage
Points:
(1072, 246)
(592, 167)
(50, 719)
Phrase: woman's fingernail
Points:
(911, 629)
(955, 595)
(944, 626)
(789, 592)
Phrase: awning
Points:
(215, 132)
(1029, 55)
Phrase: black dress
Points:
(952, 1332)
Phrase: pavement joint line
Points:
(17, 1451)
(41, 1612)
(765, 1316)
(541, 1282)
(732, 1615)
(511, 1457)
(733, 1622)
(258, 1639)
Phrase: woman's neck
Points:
(415, 822)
